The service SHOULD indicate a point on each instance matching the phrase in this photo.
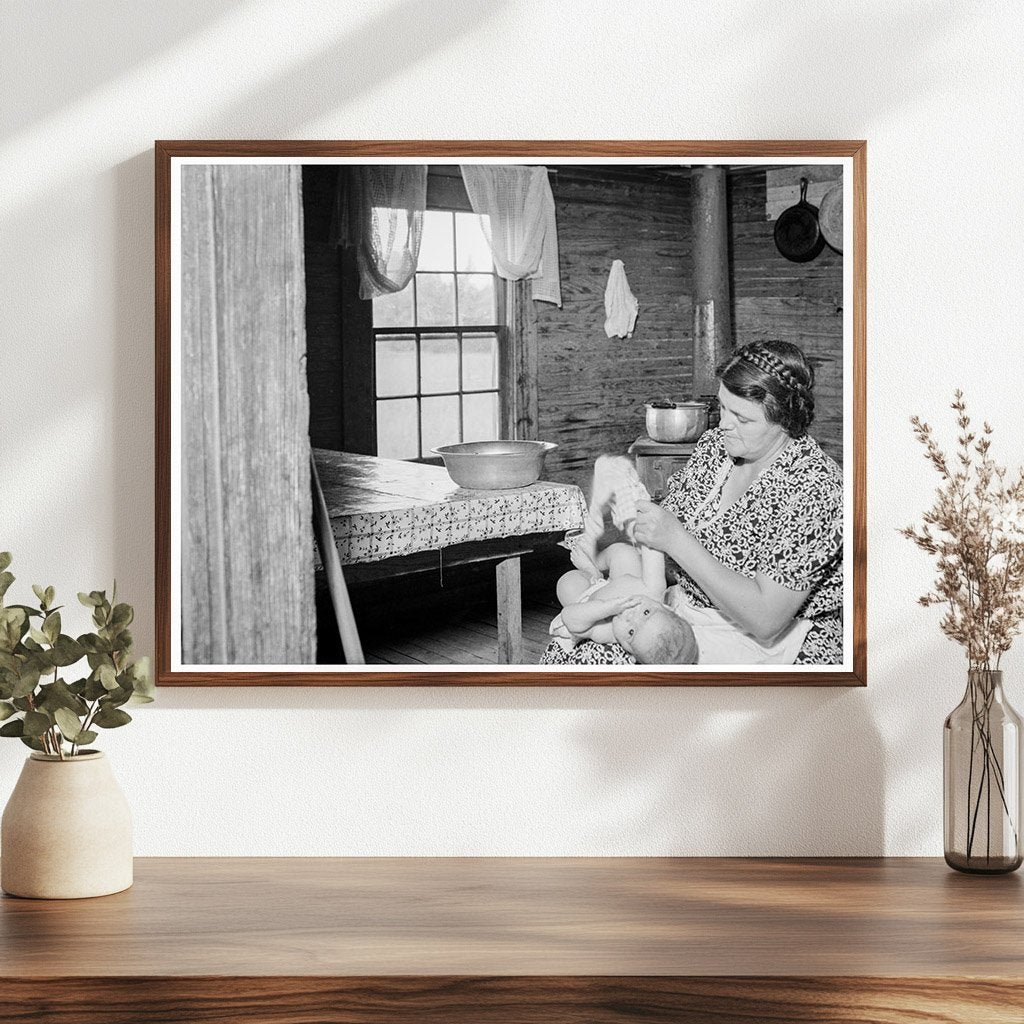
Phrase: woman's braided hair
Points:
(778, 376)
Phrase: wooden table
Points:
(572, 941)
(389, 518)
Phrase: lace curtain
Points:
(517, 212)
(379, 212)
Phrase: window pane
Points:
(439, 363)
(396, 429)
(440, 422)
(435, 300)
(394, 310)
(480, 416)
(437, 247)
(470, 244)
(396, 365)
(476, 299)
(479, 361)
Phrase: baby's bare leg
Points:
(571, 586)
(619, 560)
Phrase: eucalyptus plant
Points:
(46, 712)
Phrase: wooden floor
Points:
(469, 639)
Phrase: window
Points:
(436, 344)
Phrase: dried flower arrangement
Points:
(975, 528)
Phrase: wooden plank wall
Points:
(247, 535)
(592, 389)
(796, 302)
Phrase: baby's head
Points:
(655, 635)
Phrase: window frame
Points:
(448, 203)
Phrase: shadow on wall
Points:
(39, 61)
(396, 38)
(718, 772)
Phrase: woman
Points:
(755, 521)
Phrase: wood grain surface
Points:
(871, 941)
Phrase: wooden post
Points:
(510, 612)
(712, 309)
(519, 364)
(246, 529)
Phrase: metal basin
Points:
(675, 422)
(494, 465)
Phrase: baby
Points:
(626, 607)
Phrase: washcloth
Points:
(620, 305)
(617, 487)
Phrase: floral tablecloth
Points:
(380, 508)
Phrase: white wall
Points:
(936, 87)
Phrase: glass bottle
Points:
(981, 776)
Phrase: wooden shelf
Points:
(289, 940)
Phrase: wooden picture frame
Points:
(632, 158)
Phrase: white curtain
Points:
(379, 212)
(517, 212)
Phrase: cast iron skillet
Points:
(797, 232)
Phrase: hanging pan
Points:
(797, 232)
(830, 217)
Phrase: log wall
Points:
(591, 388)
(797, 302)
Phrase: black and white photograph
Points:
(508, 415)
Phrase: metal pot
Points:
(676, 422)
(797, 232)
(494, 465)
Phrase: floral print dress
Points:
(787, 525)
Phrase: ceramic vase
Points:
(66, 831)
(981, 776)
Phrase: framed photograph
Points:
(493, 413)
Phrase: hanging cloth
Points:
(517, 213)
(379, 212)
(620, 305)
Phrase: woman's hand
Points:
(655, 527)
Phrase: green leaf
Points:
(108, 718)
(40, 592)
(38, 635)
(28, 610)
(115, 698)
(89, 600)
(94, 689)
(27, 681)
(69, 724)
(67, 651)
(59, 695)
(49, 596)
(22, 703)
(15, 728)
(5, 560)
(86, 736)
(94, 644)
(51, 626)
(142, 682)
(122, 616)
(36, 723)
(6, 579)
(31, 741)
(10, 662)
(107, 676)
(13, 625)
(6, 710)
